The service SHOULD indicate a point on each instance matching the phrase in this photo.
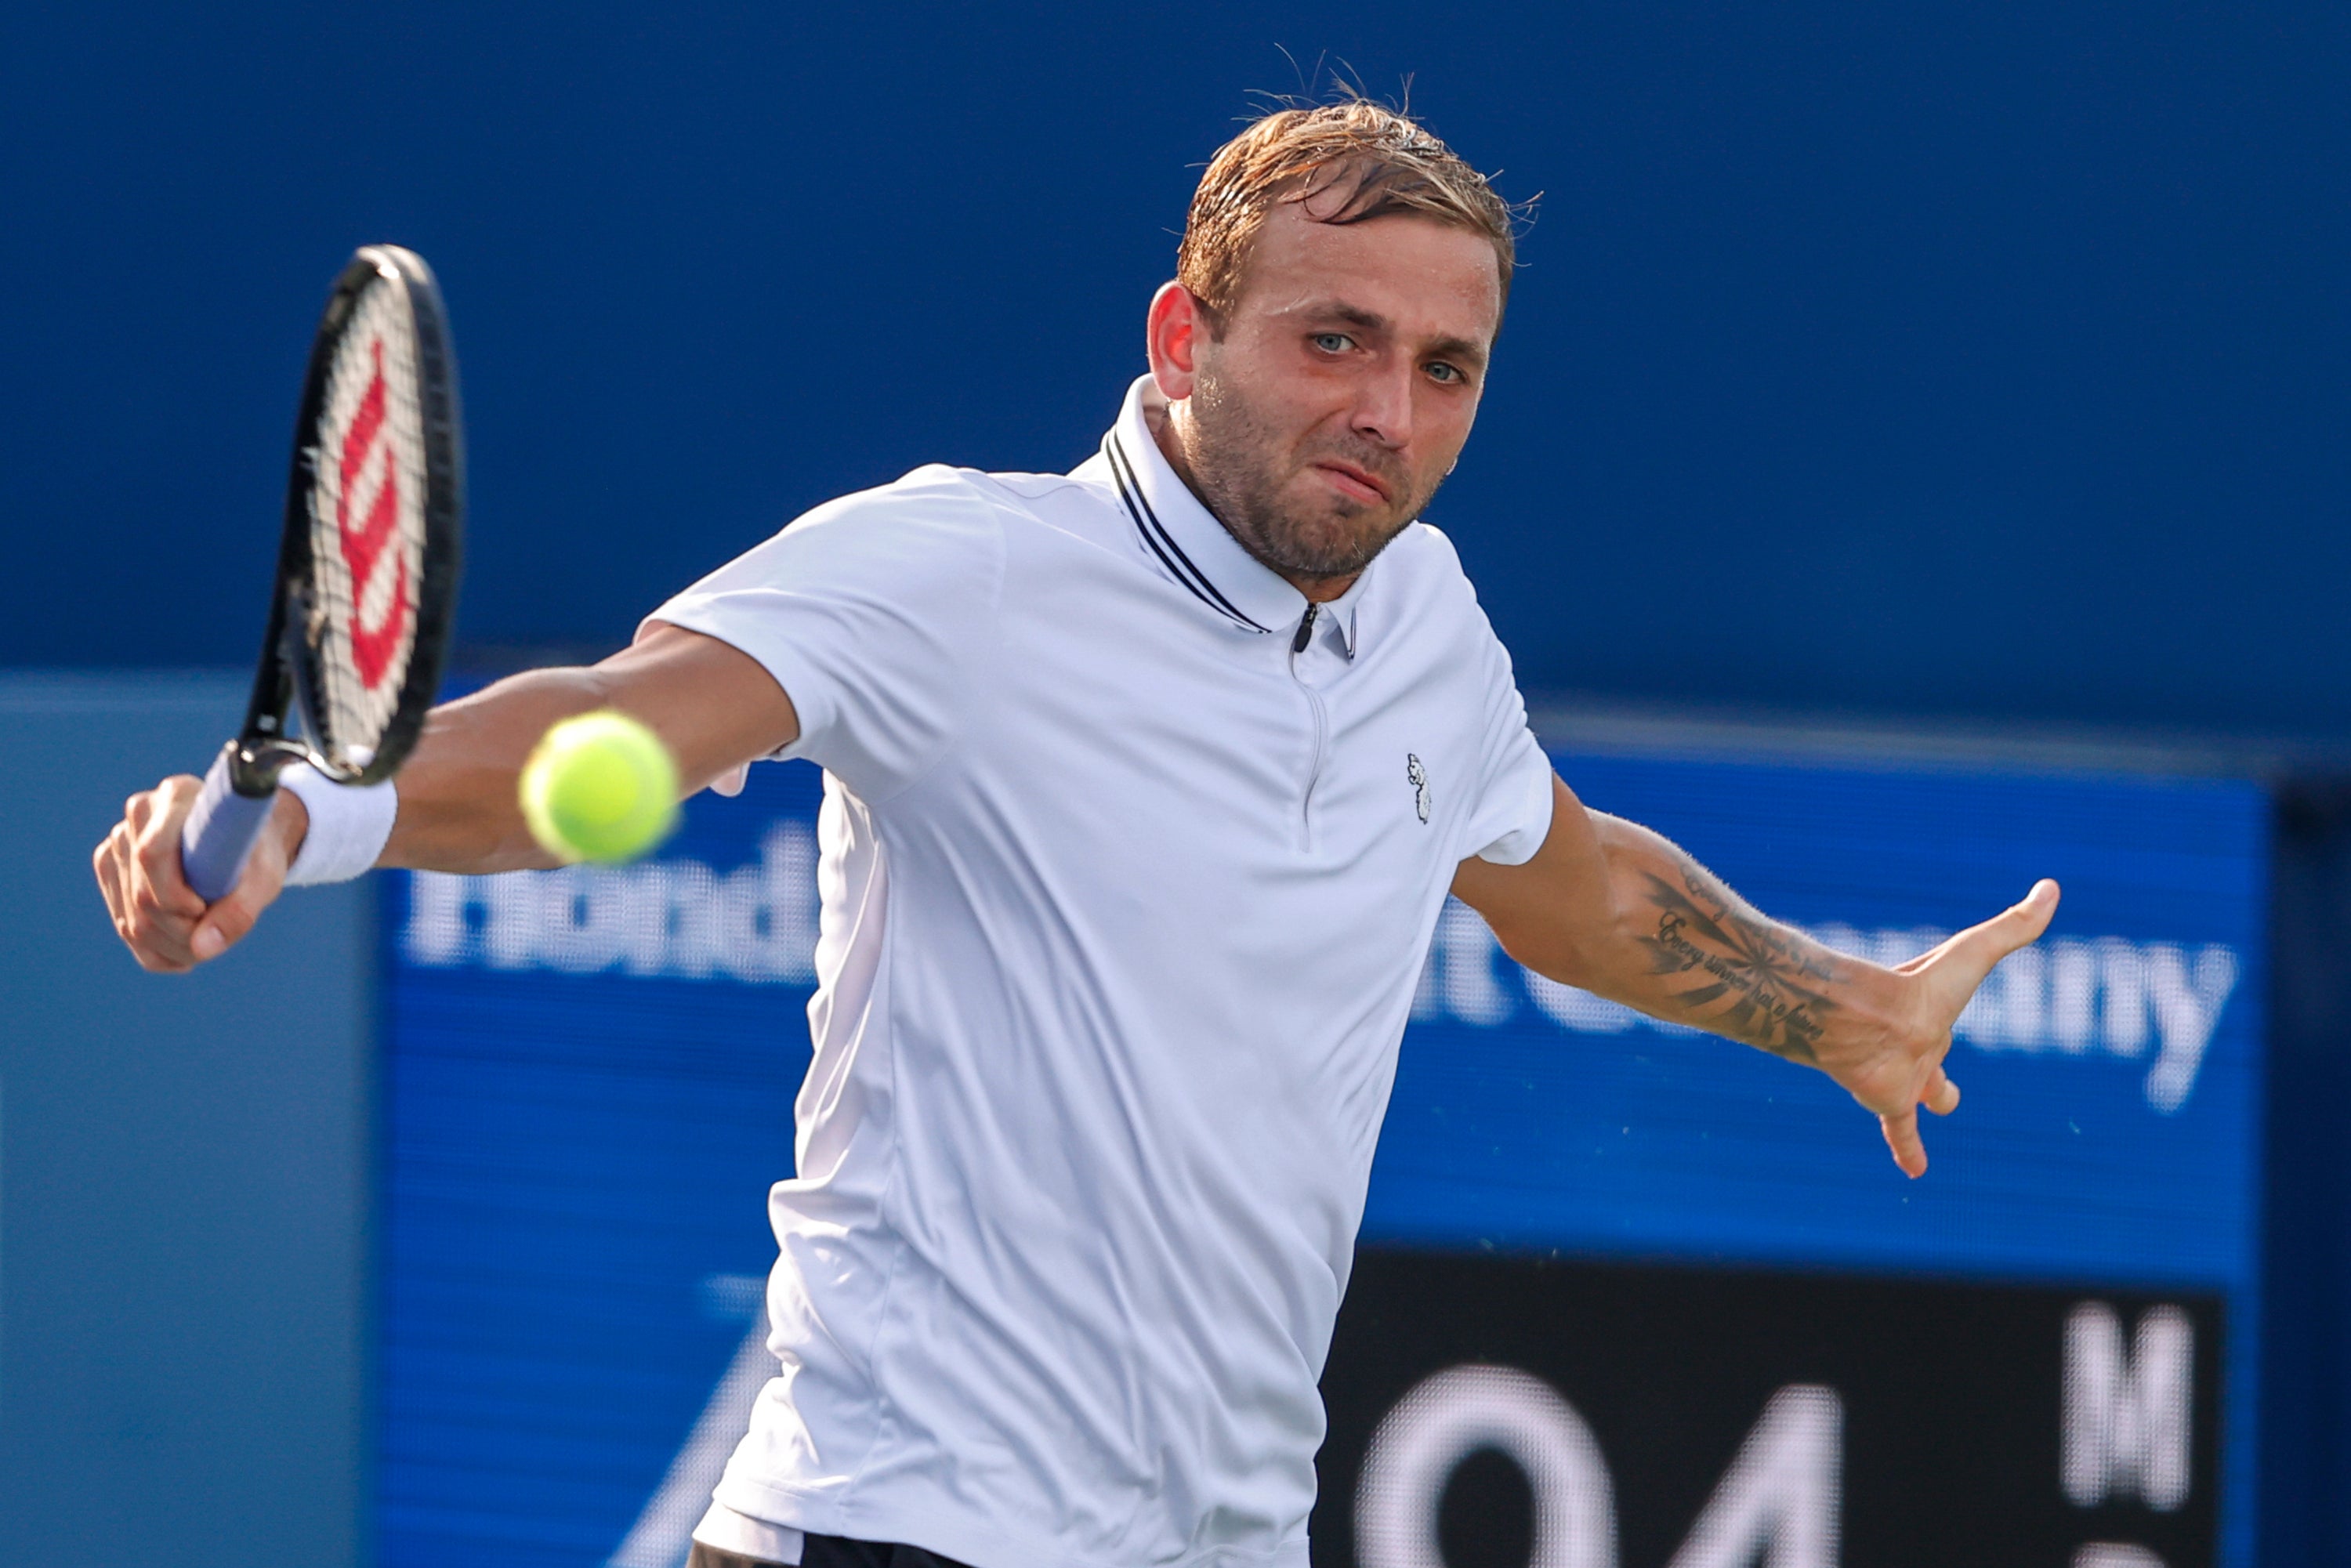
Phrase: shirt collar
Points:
(1194, 547)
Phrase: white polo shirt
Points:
(1125, 889)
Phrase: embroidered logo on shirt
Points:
(1419, 777)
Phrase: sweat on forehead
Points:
(1339, 163)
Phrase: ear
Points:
(1174, 331)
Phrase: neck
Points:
(1166, 429)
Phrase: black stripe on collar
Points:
(1156, 537)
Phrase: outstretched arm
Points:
(714, 706)
(1624, 913)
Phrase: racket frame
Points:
(286, 680)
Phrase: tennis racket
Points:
(367, 570)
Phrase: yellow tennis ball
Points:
(601, 787)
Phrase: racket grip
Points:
(220, 832)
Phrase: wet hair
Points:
(1346, 162)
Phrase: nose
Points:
(1384, 405)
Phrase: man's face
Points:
(1342, 389)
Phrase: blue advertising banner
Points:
(591, 1071)
(2111, 1073)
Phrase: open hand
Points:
(1901, 1068)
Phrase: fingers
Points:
(154, 910)
(157, 940)
(2019, 926)
(1946, 978)
(226, 922)
(155, 818)
(105, 861)
(1902, 1139)
(1941, 1097)
(212, 937)
(2039, 906)
(162, 920)
(1949, 974)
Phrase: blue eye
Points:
(1332, 342)
(1445, 372)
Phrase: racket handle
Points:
(220, 832)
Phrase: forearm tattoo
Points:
(1773, 978)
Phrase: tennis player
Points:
(1145, 788)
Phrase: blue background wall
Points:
(1938, 358)
(183, 1180)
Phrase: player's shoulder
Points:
(944, 491)
(939, 522)
(933, 488)
(1038, 512)
(926, 525)
(1420, 562)
(1079, 502)
(1426, 549)
(1421, 594)
(934, 501)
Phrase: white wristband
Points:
(349, 826)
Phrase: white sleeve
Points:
(1513, 816)
(876, 613)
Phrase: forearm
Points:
(460, 810)
(1623, 911)
(714, 706)
(1689, 949)
(1609, 905)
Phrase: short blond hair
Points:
(1352, 161)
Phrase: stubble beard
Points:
(1239, 465)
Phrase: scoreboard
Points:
(1628, 1296)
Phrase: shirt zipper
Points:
(1320, 715)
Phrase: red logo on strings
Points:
(364, 544)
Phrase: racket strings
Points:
(366, 526)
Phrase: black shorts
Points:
(829, 1552)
